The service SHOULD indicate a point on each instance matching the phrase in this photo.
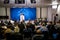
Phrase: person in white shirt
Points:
(22, 17)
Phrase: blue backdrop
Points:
(29, 13)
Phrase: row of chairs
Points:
(18, 36)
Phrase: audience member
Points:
(9, 23)
(51, 29)
(2, 23)
(48, 29)
(35, 22)
(21, 27)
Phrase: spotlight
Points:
(54, 4)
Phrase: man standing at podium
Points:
(22, 17)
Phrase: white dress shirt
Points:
(22, 18)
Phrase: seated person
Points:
(35, 22)
(21, 27)
(2, 23)
(57, 25)
(8, 30)
(42, 28)
(16, 28)
(9, 23)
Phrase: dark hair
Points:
(22, 14)
(56, 14)
(50, 22)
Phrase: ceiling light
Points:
(54, 4)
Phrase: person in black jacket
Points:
(21, 27)
(51, 29)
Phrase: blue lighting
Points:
(29, 13)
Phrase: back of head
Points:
(56, 14)
(43, 24)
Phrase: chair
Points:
(38, 37)
(27, 34)
(18, 36)
(14, 36)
